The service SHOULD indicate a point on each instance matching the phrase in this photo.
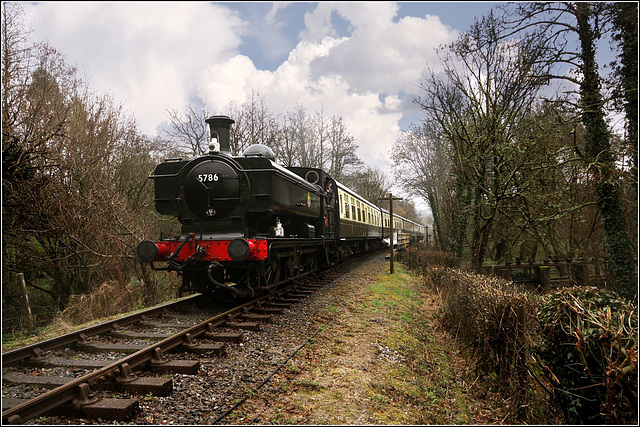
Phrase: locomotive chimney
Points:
(220, 127)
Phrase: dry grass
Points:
(110, 300)
(381, 359)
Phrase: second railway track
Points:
(163, 348)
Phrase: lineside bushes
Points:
(590, 346)
(572, 352)
(497, 320)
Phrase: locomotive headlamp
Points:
(214, 146)
(240, 249)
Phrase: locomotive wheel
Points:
(311, 262)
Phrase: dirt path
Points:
(381, 358)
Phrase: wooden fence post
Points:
(543, 276)
(26, 308)
(580, 274)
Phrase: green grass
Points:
(424, 379)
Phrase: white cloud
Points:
(148, 55)
(344, 75)
(318, 23)
(388, 58)
(231, 81)
(271, 16)
(380, 57)
(156, 56)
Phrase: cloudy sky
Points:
(361, 61)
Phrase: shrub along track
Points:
(80, 390)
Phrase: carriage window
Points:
(359, 212)
(346, 207)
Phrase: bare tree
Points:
(557, 24)
(422, 166)
(286, 147)
(370, 183)
(75, 193)
(300, 128)
(342, 148)
(487, 87)
(187, 132)
(254, 124)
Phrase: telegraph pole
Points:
(390, 199)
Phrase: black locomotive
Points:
(249, 224)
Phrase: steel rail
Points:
(67, 392)
(37, 349)
(75, 389)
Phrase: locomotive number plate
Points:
(209, 177)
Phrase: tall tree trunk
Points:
(602, 163)
(626, 20)
(476, 233)
(437, 226)
(461, 219)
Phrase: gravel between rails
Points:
(223, 381)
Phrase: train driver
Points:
(329, 192)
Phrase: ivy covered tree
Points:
(559, 24)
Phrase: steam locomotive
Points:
(250, 225)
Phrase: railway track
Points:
(148, 340)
